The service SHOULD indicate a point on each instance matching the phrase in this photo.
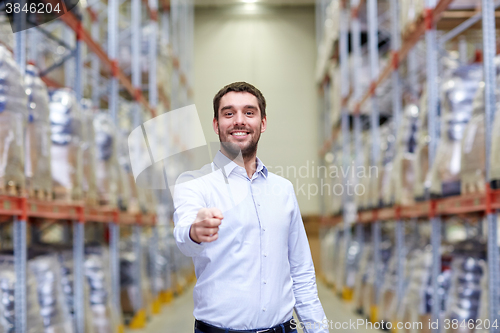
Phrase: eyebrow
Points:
(229, 107)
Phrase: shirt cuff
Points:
(187, 246)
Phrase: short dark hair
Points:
(240, 87)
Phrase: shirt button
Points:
(263, 228)
(264, 309)
(265, 254)
(265, 282)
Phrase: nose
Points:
(239, 118)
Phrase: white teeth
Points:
(239, 133)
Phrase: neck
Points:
(249, 162)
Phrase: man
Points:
(243, 228)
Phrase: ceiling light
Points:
(249, 1)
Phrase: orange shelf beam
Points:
(457, 205)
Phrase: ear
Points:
(264, 124)
(215, 125)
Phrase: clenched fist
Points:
(206, 226)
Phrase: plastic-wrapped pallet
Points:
(410, 10)
(124, 172)
(37, 148)
(418, 299)
(66, 152)
(327, 246)
(457, 95)
(129, 274)
(369, 175)
(34, 323)
(53, 308)
(388, 151)
(403, 175)
(361, 278)
(107, 165)
(465, 290)
(89, 185)
(97, 272)
(13, 116)
(66, 261)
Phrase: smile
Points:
(239, 133)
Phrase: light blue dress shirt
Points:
(260, 267)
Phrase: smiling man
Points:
(243, 228)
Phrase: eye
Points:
(249, 113)
(228, 114)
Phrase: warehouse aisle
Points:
(178, 316)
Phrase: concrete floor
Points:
(177, 317)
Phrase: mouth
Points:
(239, 134)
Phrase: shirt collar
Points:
(221, 160)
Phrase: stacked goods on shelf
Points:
(418, 298)
(34, 323)
(89, 185)
(107, 173)
(360, 284)
(390, 310)
(410, 10)
(66, 151)
(335, 96)
(65, 257)
(124, 160)
(363, 200)
(421, 166)
(131, 303)
(495, 138)
(53, 308)
(13, 116)
(386, 250)
(337, 180)
(37, 148)
(465, 291)
(327, 247)
(403, 175)
(104, 317)
(6, 34)
(458, 92)
(386, 166)
(330, 34)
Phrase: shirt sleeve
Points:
(188, 200)
(307, 304)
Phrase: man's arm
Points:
(194, 223)
(188, 200)
(307, 306)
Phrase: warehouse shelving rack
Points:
(176, 25)
(487, 204)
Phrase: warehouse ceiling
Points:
(211, 3)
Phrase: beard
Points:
(234, 149)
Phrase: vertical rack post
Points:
(432, 105)
(489, 51)
(114, 227)
(356, 54)
(153, 101)
(139, 318)
(78, 226)
(78, 275)
(20, 251)
(346, 151)
(397, 115)
(375, 153)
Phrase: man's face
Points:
(240, 123)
